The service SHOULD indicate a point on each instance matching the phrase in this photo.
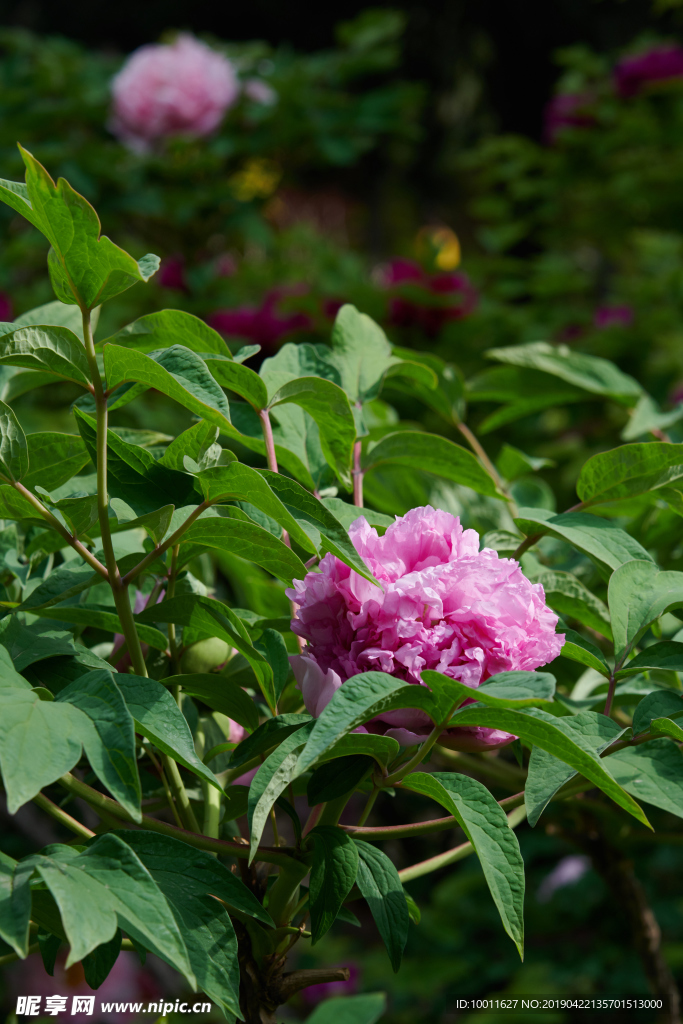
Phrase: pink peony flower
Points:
(5, 308)
(172, 274)
(660, 64)
(445, 606)
(426, 301)
(181, 88)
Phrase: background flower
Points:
(179, 88)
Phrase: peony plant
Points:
(234, 757)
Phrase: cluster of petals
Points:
(443, 605)
(181, 88)
(426, 301)
(663, 63)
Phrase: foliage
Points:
(104, 688)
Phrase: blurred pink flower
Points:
(428, 301)
(613, 316)
(566, 110)
(260, 92)
(181, 88)
(139, 604)
(445, 606)
(568, 871)
(315, 994)
(5, 308)
(172, 274)
(263, 324)
(661, 63)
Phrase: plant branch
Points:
(477, 448)
(267, 429)
(420, 828)
(100, 802)
(76, 544)
(10, 958)
(170, 542)
(40, 800)
(357, 475)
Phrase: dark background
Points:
(510, 43)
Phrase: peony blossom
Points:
(265, 325)
(426, 301)
(613, 316)
(566, 110)
(660, 64)
(445, 605)
(181, 88)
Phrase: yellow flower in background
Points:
(440, 244)
(258, 179)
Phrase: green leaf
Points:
(158, 717)
(177, 372)
(639, 593)
(241, 380)
(333, 874)
(58, 314)
(133, 474)
(382, 748)
(432, 454)
(506, 689)
(15, 903)
(665, 727)
(269, 734)
(568, 596)
(39, 742)
(13, 448)
(658, 704)
(590, 373)
(231, 529)
(513, 463)
(664, 657)
(98, 964)
(653, 772)
(193, 442)
(337, 778)
(547, 774)
(361, 698)
(53, 350)
(272, 778)
(361, 354)
(365, 1009)
(28, 644)
(484, 823)
(155, 523)
(106, 887)
(100, 618)
(329, 407)
(54, 459)
(109, 742)
(379, 883)
(325, 530)
(193, 882)
(83, 266)
(220, 694)
(347, 514)
(212, 618)
(297, 440)
(170, 327)
(536, 727)
(272, 646)
(577, 648)
(630, 470)
(64, 582)
(605, 544)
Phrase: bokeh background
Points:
(472, 176)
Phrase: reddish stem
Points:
(357, 476)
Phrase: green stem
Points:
(357, 475)
(417, 757)
(442, 860)
(56, 525)
(283, 898)
(9, 958)
(477, 448)
(119, 590)
(104, 804)
(40, 800)
(180, 796)
(170, 592)
(170, 542)
(369, 804)
(212, 810)
(610, 693)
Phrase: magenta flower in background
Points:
(172, 274)
(5, 308)
(181, 88)
(445, 606)
(613, 316)
(264, 324)
(429, 301)
(566, 110)
(661, 63)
